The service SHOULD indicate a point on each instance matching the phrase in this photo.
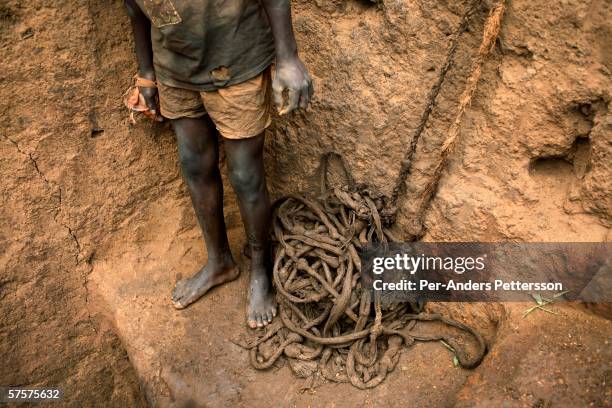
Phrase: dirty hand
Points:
(293, 78)
(150, 98)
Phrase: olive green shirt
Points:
(204, 45)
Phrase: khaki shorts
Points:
(238, 111)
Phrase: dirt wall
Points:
(84, 188)
(533, 159)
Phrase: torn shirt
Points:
(204, 45)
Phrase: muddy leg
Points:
(248, 177)
(199, 157)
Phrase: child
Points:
(206, 66)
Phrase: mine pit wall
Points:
(53, 209)
(533, 157)
(533, 161)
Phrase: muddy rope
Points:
(431, 102)
(327, 327)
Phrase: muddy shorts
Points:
(238, 111)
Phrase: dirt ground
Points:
(96, 223)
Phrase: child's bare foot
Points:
(191, 289)
(261, 307)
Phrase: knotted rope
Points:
(327, 326)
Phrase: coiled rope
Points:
(326, 324)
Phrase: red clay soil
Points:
(96, 222)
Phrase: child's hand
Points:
(292, 77)
(150, 98)
(142, 97)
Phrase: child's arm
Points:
(291, 74)
(141, 26)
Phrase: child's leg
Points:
(248, 177)
(199, 157)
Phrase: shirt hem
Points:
(211, 87)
